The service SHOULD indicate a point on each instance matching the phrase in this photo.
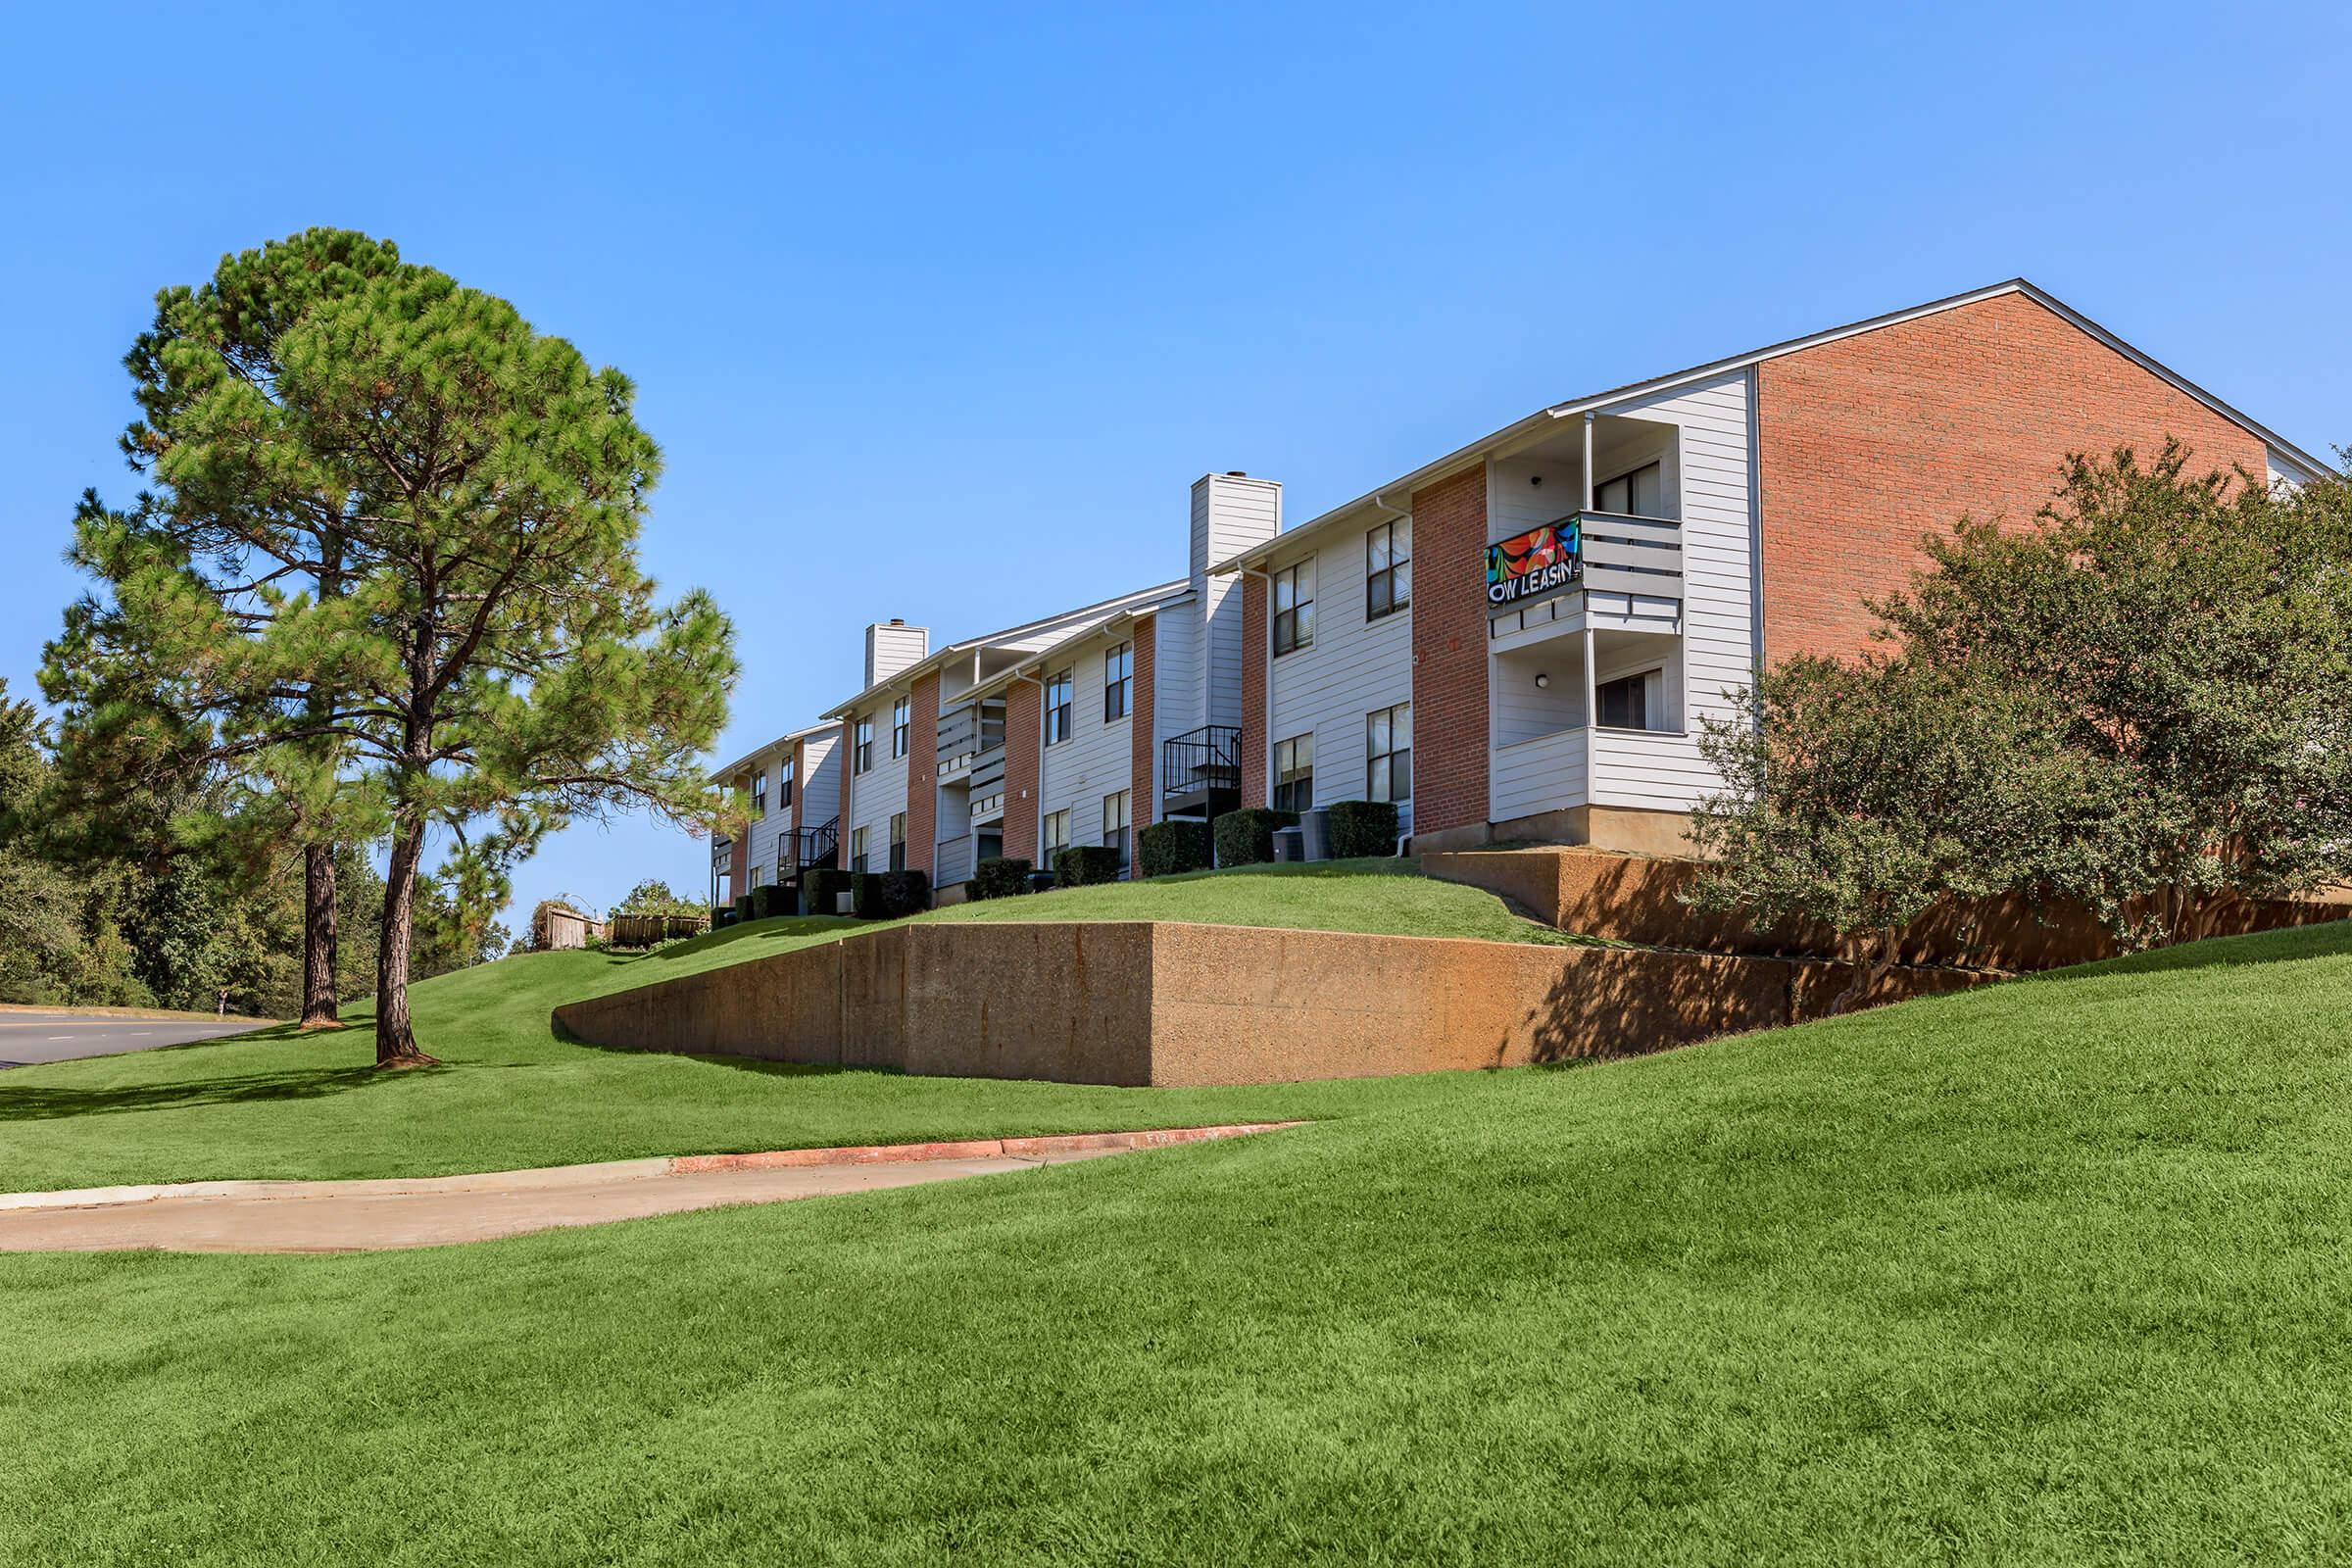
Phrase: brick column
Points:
(922, 775)
(1143, 798)
(1023, 711)
(1449, 652)
(1254, 653)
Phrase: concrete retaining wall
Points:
(1148, 1003)
(1630, 898)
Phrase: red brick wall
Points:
(1256, 649)
(1022, 715)
(1144, 796)
(1449, 652)
(1874, 440)
(922, 774)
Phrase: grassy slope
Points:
(281, 1106)
(2048, 1272)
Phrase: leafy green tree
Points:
(2188, 640)
(197, 660)
(1869, 791)
(653, 896)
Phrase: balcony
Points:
(820, 845)
(1618, 563)
(1201, 772)
(966, 733)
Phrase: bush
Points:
(1247, 837)
(743, 909)
(888, 895)
(820, 886)
(1168, 848)
(1083, 863)
(771, 901)
(1360, 828)
(1000, 876)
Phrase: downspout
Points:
(1592, 705)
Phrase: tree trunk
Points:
(321, 1008)
(395, 1041)
(1874, 956)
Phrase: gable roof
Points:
(1602, 402)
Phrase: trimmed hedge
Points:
(769, 900)
(1170, 849)
(743, 909)
(1000, 876)
(1359, 828)
(1247, 837)
(888, 895)
(820, 886)
(1084, 864)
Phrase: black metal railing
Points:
(820, 845)
(1200, 762)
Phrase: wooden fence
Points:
(645, 930)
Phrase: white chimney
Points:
(1231, 512)
(891, 646)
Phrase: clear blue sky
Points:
(1000, 286)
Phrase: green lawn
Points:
(2054, 1271)
(280, 1105)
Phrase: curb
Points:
(559, 1176)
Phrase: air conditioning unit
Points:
(845, 904)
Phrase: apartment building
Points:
(1520, 639)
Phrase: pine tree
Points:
(494, 662)
(155, 681)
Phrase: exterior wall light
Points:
(1542, 682)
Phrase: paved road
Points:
(29, 1036)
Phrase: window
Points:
(1053, 837)
(1389, 754)
(759, 793)
(858, 849)
(898, 840)
(901, 718)
(1624, 704)
(784, 784)
(861, 746)
(1387, 569)
(1118, 682)
(1295, 607)
(1638, 494)
(1295, 774)
(1058, 690)
(1115, 824)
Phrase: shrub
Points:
(904, 893)
(769, 900)
(888, 895)
(1167, 849)
(1083, 863)
(1360, 828)
(743, 909)
(1000, 876)
(820, 886)
(1247, 837)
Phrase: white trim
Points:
(1602, 402)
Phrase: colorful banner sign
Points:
(1535, 562)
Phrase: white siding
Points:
(1076, 773)
(1229, 515)
(1353, 666)
(1699, 435)
(1526, 778)
(891, 648)
(1662, 772)
(821, 790)
(876, 797)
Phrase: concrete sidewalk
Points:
(235, 1216)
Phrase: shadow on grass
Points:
(52, 1104)
(783, 926)
(2323, 939)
